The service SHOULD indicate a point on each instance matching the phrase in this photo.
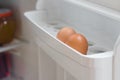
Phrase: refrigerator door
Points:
(95, 22)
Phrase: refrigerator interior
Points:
(27, 60)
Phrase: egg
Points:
(78, 42)
(65, 33)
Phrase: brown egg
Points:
(78, 42)
(65, 33)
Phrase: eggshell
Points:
(78, 42)
(65, 33)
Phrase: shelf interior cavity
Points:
(54, 27)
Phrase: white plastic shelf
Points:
(14, 44)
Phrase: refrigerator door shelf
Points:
(13, 45)
(52, 28)
(82, 65)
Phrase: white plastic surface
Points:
(116, 60)
(99, 24)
